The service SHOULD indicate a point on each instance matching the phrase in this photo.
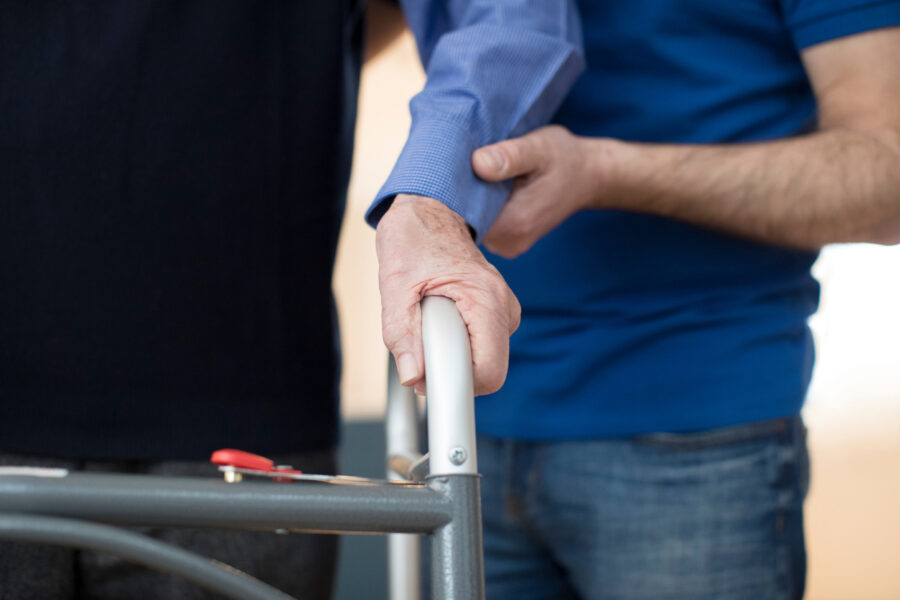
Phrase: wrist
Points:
(613, 167)
(431, 214)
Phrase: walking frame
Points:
(437, 494)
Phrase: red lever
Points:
(229, 457)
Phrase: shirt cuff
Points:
(436, 162)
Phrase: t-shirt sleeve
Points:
(815, 21)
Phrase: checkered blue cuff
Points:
(437, 163)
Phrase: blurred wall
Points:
(853, 413)
(388, 82)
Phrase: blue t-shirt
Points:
(633, 323)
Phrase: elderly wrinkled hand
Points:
(425, 249)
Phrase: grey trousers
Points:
(302, 565)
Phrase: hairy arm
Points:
(839, 184)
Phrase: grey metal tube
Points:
(188, 502)
(401, 418)
(139, 549)
(401, 434)
(457, 554)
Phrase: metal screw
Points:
(458, 455)
(233, 476)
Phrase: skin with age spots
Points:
(425, 249)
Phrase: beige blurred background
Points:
(853, 413)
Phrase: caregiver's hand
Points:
(556, 174)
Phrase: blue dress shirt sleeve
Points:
(495, 69)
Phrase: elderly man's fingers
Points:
(491, 313)
(490, 353)
(401, 324)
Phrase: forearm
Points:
(833, 186)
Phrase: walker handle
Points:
(451, 401)
(450, 389)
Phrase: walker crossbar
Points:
(190, 502)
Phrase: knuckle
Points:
(501, 292)
(391, 337)
(557, 129)
(394, 330)
(496, 285)
(512, 151)
(557, 132)
(535, 143)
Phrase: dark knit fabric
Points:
(172, 180)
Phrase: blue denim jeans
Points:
(709, 515)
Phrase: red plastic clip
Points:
(229, 457)
(238, 459)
